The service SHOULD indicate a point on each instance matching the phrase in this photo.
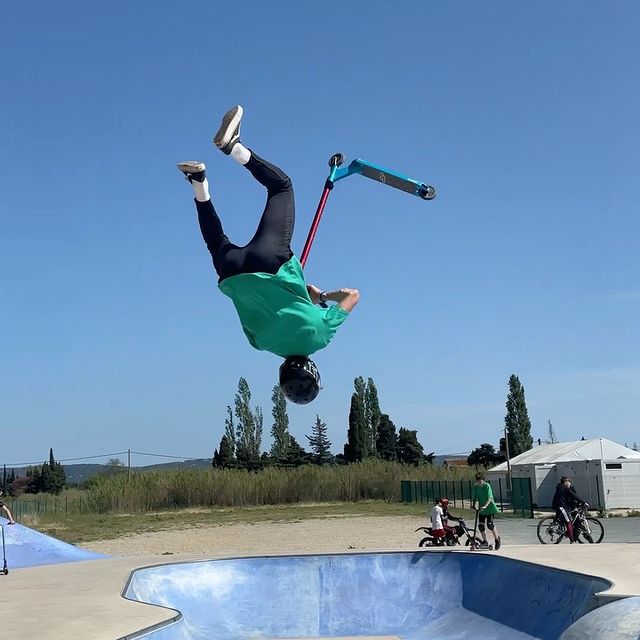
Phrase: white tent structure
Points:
(604, 473)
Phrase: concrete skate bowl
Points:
(408, 595)
(25, 547)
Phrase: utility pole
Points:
(129, 465)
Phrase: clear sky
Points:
(523, 115)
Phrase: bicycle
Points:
(552, 530)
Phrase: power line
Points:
(161, 455)
(37, 462)
(104, 455)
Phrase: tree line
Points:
(370, 434)
(48, 478)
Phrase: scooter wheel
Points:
(336, 160)
(427, 192)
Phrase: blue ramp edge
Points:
(413, 595)
(25, 547)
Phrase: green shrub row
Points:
(193, 488)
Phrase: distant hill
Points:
(79, 473)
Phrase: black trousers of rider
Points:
(270, 247)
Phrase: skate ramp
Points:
(27, 547)
(411, 595)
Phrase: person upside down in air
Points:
(278, 311)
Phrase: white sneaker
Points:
(229, 131)
(193, 170)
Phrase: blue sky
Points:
(524, 117)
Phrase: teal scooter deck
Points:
(385, 176)
(368, 170)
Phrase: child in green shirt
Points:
(483, 496)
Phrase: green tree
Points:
(280, 427)
(320, 443)
(258, 420)
(114, 466)
(230, 432)
(372, 414)
(357, 447)
(296, 455)
(410, 451)
(223, 457)
(249, 428)
(52, 476)
(485, 456)
(34, 477)
(517, 419)
(387, 440)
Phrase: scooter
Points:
(476, 544)
(368, 170)
(5, 570)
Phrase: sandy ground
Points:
(314, 535)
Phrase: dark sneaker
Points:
(229, 131)
(192, 170)
(484, 544)
(498, 543)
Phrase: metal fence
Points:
(47, 506)
(460, 492)
(522, 497)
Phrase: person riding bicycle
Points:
(564, 500)
(450, 532)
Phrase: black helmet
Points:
(299, 379)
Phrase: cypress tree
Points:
(517, 419)
(52, 476)
(357, 447)
(372, 414)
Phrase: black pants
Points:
(270, 247)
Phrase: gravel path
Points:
(319, 535)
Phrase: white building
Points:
(604, 473)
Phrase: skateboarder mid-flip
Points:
(278, 311)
